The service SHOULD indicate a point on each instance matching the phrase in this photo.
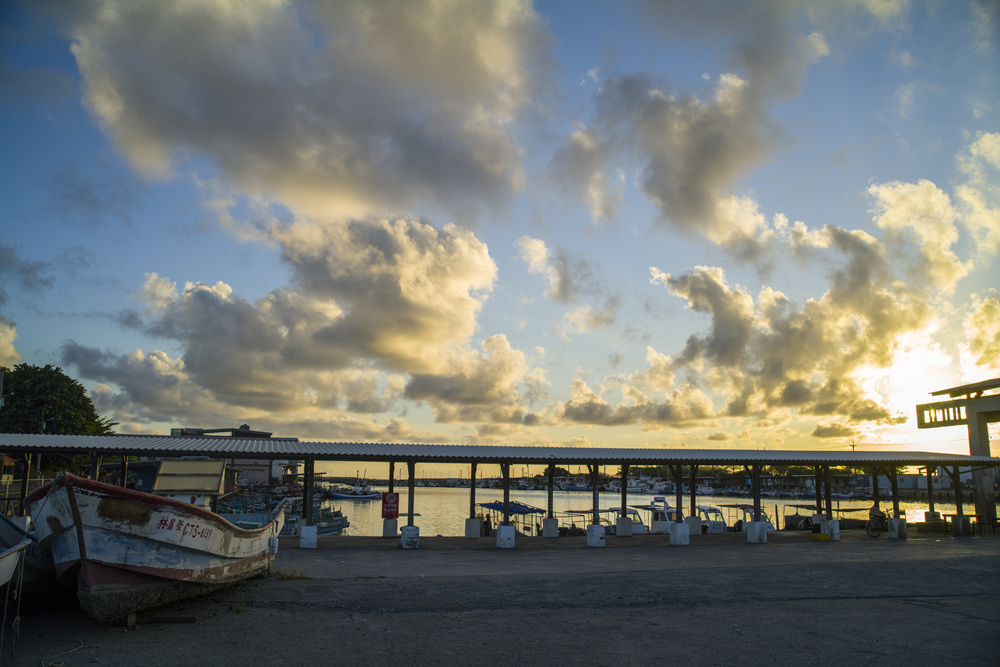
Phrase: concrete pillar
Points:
(389, 527)
(897, 529)
(409, 537)
(505, 537)
(693, 524)
(411, 471)
(595, 535)
(961, 526)
(623, 527)
(550, 527)
(756, 532)
(473, 529)
(307, 537)
(831, 527)
(472, 497)
(550, 474)
(680, 534)
(983, 494)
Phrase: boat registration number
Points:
(186, 528)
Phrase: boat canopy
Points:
(513, 508)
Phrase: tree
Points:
(43, 399)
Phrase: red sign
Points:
(390, 505)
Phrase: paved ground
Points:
(927, 600)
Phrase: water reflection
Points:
(443, 511)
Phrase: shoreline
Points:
(718, 601)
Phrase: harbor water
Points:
(443, 510)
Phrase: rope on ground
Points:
(47, 661)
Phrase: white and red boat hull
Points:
(125, 550)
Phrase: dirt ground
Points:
(930, 599)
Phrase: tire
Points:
(873, 528)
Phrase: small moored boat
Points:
(10, 558)
(356, 492)
(125, 550)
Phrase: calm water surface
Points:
(443, 511)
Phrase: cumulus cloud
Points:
(924, 212)
(585, 318)
(982, 331)
(768, 354)
(682, 407)
(765, 40)
(27, 275)
(381, 310)
(691, 150)
(579, 166)
(568, 276)
(340, 108)
(706, 291)
(409, 291)
(979, 193)
(833, 431)
(483, 387)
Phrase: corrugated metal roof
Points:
(967, 389)
(153, 445)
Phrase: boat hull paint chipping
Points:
(125, 551)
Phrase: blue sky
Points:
(662, 224)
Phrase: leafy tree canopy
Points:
(39, 399)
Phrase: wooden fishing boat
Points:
(10, 558)
(126, 551)
(38, 575)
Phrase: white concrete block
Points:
(473, 528)
(756, 532)
(817, 519)
(897, 529)
(680, 534)
(409, 537)
(932, 517)
(660, 527)
(694, 525)
(623, 527)
(307, 537)
(961, 526)
(834, 529)
(390, 527)
(595, 536)
(550, 527)
(505, 537)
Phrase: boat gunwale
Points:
(70, 481)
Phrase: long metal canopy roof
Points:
(264, 448)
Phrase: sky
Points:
(590, 224)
